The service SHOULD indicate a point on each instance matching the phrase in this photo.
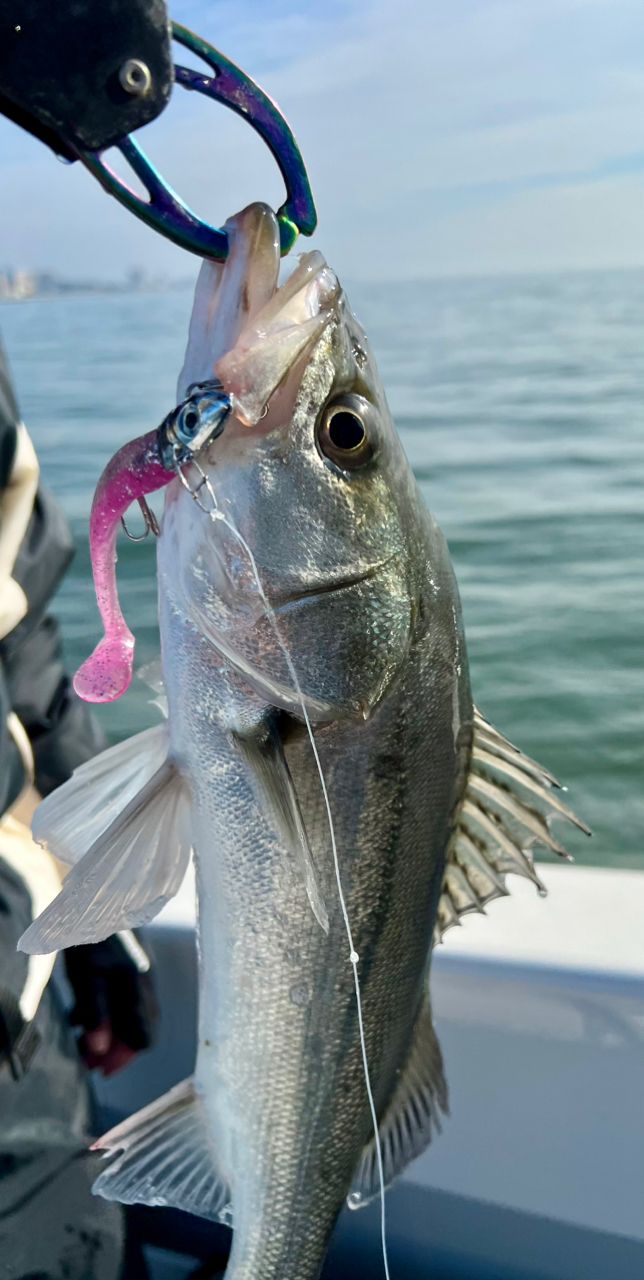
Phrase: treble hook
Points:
(149, 520)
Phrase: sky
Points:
(442, 137)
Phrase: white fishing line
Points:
(216, 514)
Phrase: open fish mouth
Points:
(244, 329)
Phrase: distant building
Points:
(15, 286)
(18, 284)
(24, 285)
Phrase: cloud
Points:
(466, 137)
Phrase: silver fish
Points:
(350, 578)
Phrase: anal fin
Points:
(163, 1158)
(412, 1116)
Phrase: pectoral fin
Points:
(263, 755)
(72, 817)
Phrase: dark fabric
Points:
(15, 917)
(62, 731)
(51, 1227)
(45, 555)
(33, 680)
(9, 419)
(50, 1224)
(12, 776)
(107, 986)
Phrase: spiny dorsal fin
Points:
(508, 805)
(412, 1116)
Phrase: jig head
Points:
(143, 466)
(198, 420)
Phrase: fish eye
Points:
(346, 432)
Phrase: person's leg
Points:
(50, 1223)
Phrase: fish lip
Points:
(333, 587)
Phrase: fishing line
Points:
(215, 514)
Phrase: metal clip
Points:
(203, 485)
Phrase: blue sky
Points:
(442, 137)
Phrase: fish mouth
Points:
(247, 331)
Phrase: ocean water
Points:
(520, 403)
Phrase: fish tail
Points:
(123, 822)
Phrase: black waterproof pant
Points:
(51, 1226)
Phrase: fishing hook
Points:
(149, 520)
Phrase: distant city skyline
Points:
(478, 137)
(20, 284)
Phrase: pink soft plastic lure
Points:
(133, 472)
(141, 467)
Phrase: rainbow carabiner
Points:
(165, 211)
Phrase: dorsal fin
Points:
(506, 809)
(412, 1116)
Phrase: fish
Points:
(303, 585)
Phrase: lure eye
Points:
(200, 419)
(346, 432)
(188, 421)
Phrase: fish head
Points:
(299, 570)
